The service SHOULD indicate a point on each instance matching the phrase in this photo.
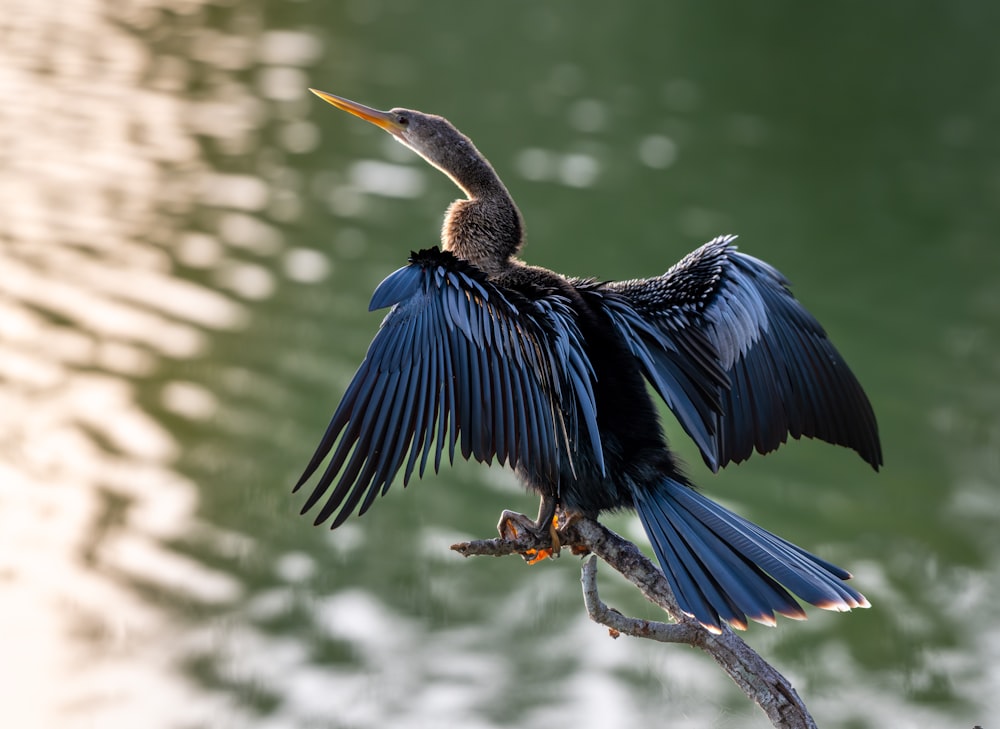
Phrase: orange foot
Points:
(511, 523)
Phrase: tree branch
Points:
(760, 681)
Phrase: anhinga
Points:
(484, 354)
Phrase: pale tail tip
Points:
(841, 606)
(846, 605)
(793, 614)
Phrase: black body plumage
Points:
(485, 357)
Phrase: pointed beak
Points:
(382, 119)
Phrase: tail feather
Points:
(723, 567)
(739, 575)
(687, 575)
(803, 573)
(721, 582)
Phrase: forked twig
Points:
(760, 681)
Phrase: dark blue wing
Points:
(739, 361)
(458, 363)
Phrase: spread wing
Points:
(457, 363)
(737, 359)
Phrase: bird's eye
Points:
(402, 120)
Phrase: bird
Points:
(483, 356)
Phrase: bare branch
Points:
(500, 547)
(617, 623)
(760, 681)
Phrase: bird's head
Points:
(432, 137)
(485, 228)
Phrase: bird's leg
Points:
(549, 519)
(547, 522)
(568, 517)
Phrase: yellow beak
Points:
(382, 119)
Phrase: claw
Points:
(509, 523)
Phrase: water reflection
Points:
(100, 170)
(183, 294)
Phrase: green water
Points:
(188, 247)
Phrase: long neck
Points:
(486, 229)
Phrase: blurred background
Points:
(188, 241)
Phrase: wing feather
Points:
(459, 364)
(739, 361)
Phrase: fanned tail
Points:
(723, 567)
